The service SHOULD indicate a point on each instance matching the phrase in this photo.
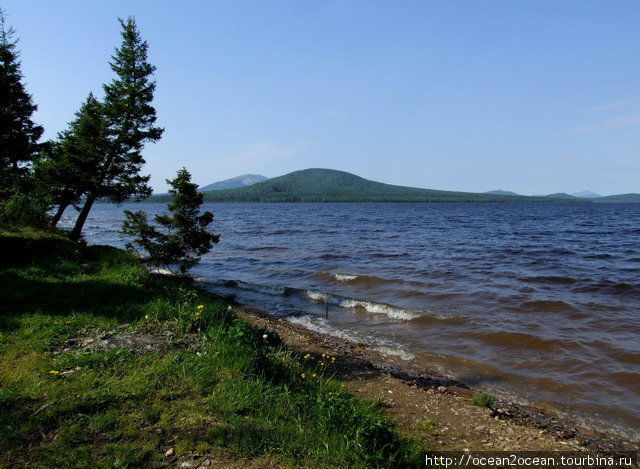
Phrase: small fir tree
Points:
(183, 236)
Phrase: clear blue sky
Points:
(530, 96)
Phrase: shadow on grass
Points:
(55, 276)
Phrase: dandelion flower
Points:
(56, 322)
(333, 359)
(67, 322)
(54, 372)
(197, 314)
(314, 375)
(303, 376)
(307, 356)
(323, 355)
(321, 363)
(200, 307)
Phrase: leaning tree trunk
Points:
(56, 218)
(84, 213)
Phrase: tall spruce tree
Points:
(19, 135)
(129, 118)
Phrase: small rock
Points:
(206, 462)
(186, 464)
(169, 453)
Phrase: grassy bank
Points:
(105, 365)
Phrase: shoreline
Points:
(505, 425)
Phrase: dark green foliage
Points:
(128, 118)
(20, 198)
(27, 204)
(18, 133)
(184, 236)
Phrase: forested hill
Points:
(619, 199)
(328, 185)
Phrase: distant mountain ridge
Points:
(232, 183)
(632, 198)
(586, 195)
(328, 185)
(500, 192)
(561, 195)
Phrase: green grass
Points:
(483, 399)
(214, 386)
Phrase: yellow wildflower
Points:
(67, 322)
(323, 355)
(307, 356)
(333, 359)
(321, 363)
(200, 307)
(54, 372)
(56, 322)
(197, 314)
(314, 375)
(303, 376)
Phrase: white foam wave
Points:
(319, 325)
(160, 271)
(344, 277)
(369, 306)
(396, 352)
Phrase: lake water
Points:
(536, 301)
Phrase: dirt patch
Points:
(144, 341)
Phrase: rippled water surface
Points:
(540, 301)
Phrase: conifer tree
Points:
(18, 133)
(183, 236)
(129, 118)
(68, 169)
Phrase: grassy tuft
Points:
(483, 399)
